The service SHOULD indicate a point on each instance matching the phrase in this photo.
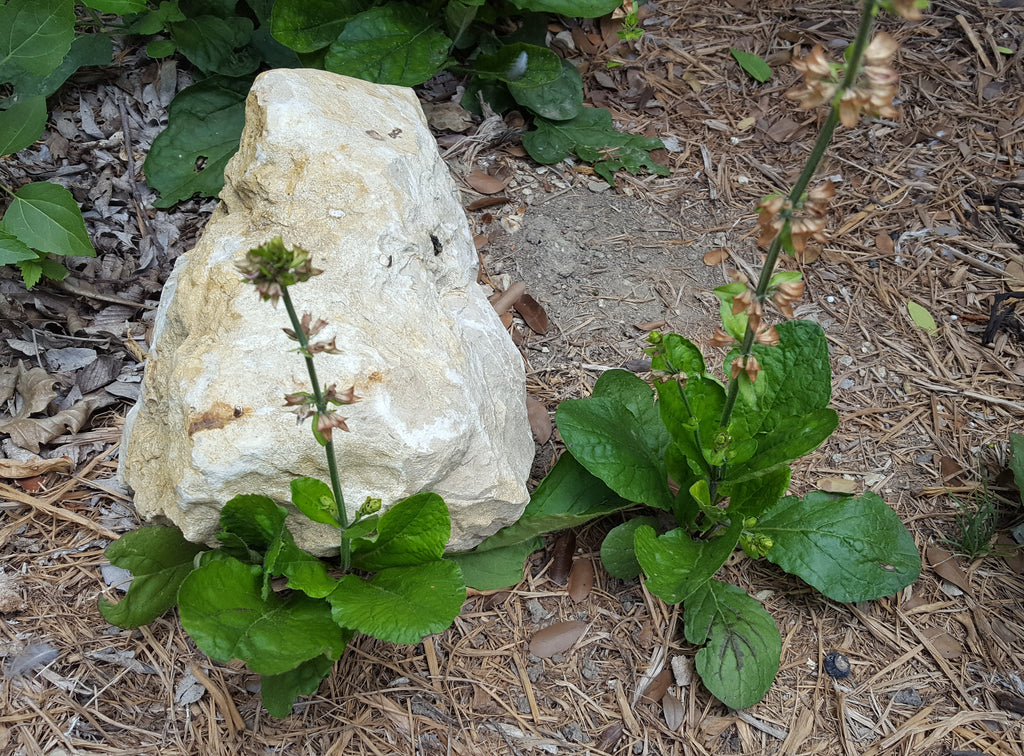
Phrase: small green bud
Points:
(369, 507)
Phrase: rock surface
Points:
(349, 171)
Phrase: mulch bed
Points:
(928, 209)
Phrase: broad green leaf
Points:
(571, 8)
(1017, 461)
(568, 496)
(315, 499)
(560, 100)
(214, 45)
(675, 354)
(87, 50)
(219, 8)
(392, 44)
(676, 565)
(222, 607)
(593, 138)
(922, 318)
(13, 250)
(280, 691)
(272, 52)
(31, 271)
(304, 571)
(790, 439)
(618, 554)
(458, 21)
(526, 65)
(494, 93)
(46, 217)
(204, 127)
(733, 324)
(744, 646)
(117, 7)
(161, 48)
(308, 25)
(157, 20)
(53, 269)
(256, 519)
(401, 604)
(22, 124)
(617, 436)
(849, 548)
(159, 558)
(412, 532)
(693, 415)
(35, 36)
(753, 496)
(363, 527)
(795, 379)
(495, 568)
(752, 64)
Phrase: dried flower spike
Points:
(271, 267)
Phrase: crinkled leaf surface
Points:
(527, 65)
(315, 499)
(559, 100)
(256, 519)
(280, 691)
(592, 137)
(35, 35)
(159, 558)
(46, 217)
(203, 130)
(692, 416)
(21, 125)
(396, 43)
(215, 45)
(618, 553)
(304, 571)
(568, 496)
(751, 497)
(495, 568)
(676, 565)
(401, 604)
(792, 438)
(618, 436)
(741, 657)
(677, 354)
(413, 531)
(849, 548)
(223, 609)
(309, 25)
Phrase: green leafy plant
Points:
(754, 65)
(260, 598)
(713, 456)
(976, 521)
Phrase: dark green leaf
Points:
(458, 22)
(22, 124)
(559, 100)
(256, 519)
(526, 65)
(756, 494)
(676, 565)
(363, 527)
(46, 217)
(315, 499)
(495, 568)
(280, 691)
(494, 93)
(392, 44)
(692, 416)
(161, 48)
(618, 554)
(741, 657)
(308, 25)
(156, 20)
(36, 35)
(676, 354)
(568, 496)
(31, 271)
(304, 571)
(212, 44)
(159, 558)
(12, 250)
(272, 52)
(117, 7)
(1017, 461)
(222, 607)
(205, 124)
(850, 549)
(593, 138)
(88, 50)
(53, 269)
(401, 604)
(752, 64)
(790, 439)
(413, 531)
(571, 8)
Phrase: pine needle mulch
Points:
(938, 669)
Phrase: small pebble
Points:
(837, 665)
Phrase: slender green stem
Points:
(321, 408)
(860, 44)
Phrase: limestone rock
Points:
(349, 171)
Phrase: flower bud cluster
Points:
(271, 267)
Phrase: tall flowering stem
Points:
(853, 68)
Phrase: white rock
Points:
(349, 171)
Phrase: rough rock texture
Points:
(349, 171)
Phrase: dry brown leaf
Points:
(946, 567)
(480, 241)
(540, 420)
(36, 389)
(811, 253)
(949, 469)
(1012, 553)
(534, 315)
(1015, 275)
(449, 116)
(610, 737)
(716, 256)
(12, 468)
(503, 301)
(948, 646)
(556, 638)
(783, 130)
(483, 202)
(657, 688)
(838, 485)
(581, 579)
(884, 243)
(561, 557)
(673, 711)
(485, 183)
(650, 325)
